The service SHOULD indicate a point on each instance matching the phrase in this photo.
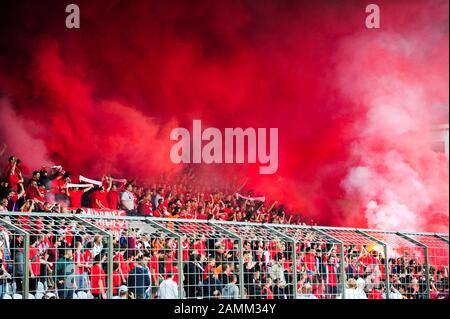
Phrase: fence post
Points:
(180, 268)
(386, 263)
(294, 268)
(26, 259)
(110, 267)
(179, 251)
(425, 254)
(341, 256)
(294, 256)
(241, 255)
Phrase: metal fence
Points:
(66, 256)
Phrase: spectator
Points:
(277, 270)
(97, 246)
(100, 200)
(113, 195)
(81, 267)
(4, 275)
(127, 200)
(3, 205)
(231, 290)
(139, 279)
(267, 289)
(124, 293)
(65, 275)
(211, 285)
(352, 292)
(98, 278)
(75, 194)
(306, 292)
(168, 289)
(279, 291)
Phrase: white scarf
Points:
(262, 198)
(92, 181)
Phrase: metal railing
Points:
(71, 256)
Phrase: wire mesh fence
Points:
(210, 260)
(267, 261)
(147, 258)
(317, 258)
(67, 256)
(14, 266)
(436, 260)
(362, 263)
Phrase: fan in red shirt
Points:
(114, 194)
(75, 194)
(145, 207)
(201, 214)
(310, 260)
(375, 293)
(210, 266)
(154, 267)
(14, 175)
(100, 201)
(124, 268)
(266, 290)
(35, 262)
(332, 271)
(117, 280)
(98, 278)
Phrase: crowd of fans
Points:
(73, 263)
(50, 190)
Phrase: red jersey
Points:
(75, 198)
(332, 275)
(35, 259)
(87, 257)
(375, 294)
(101, 197)
(97, 275)
(122, 264)
(31, 192)
(113, 199)
(200, 246)
(154, 265)
(310, 262)
(116, 282)
(78, 258)
(145, 207)
(206, 272)
(268, 292)
(13, 181)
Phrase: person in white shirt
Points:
(168, 289)
(97, 246)
(394, 294)
(127, 198)
(354, 292)
(306, 292)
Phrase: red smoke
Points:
(354, 106)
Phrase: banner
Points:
(112, 224)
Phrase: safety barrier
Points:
(70, 256)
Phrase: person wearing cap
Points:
(124, 294)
